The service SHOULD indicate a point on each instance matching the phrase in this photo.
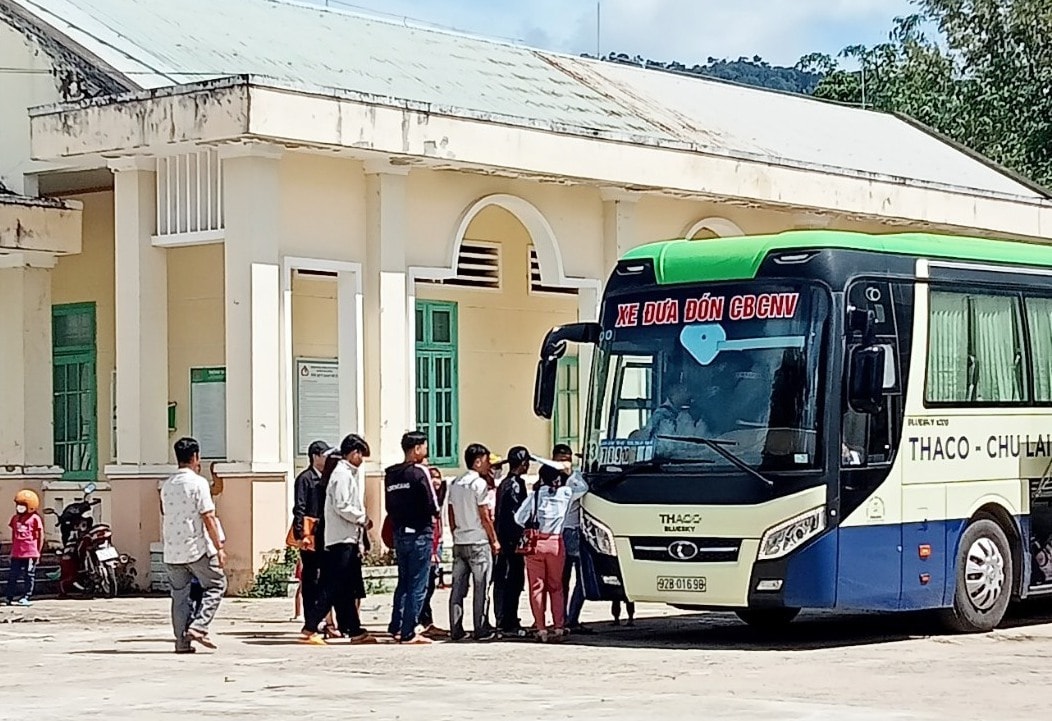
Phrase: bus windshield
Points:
(681, 369)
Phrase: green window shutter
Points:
(566, 427)
(75, 392)
(437, 381)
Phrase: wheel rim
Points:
(984, 574)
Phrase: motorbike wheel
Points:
(107, 581)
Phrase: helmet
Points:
(29, 499)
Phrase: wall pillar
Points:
(389, 365)
(619, 225)
(254, 505)
(27, 421)
(254, 328)
(141, 321)
(389, 381)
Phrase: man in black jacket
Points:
(412, 508)
(509, 576)
(310, 503)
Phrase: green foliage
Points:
(379, 558)
(984, 80)
(748, 71)
(272, 581)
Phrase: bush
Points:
(376, 557)
(272, 581)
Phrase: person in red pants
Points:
(543, 514)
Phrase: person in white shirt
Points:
(544, 512)
(345, 527)
(474, 544)
(193, 548)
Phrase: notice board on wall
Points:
(317, 402)
(208, 410)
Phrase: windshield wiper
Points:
(718, 446)
(624, 472)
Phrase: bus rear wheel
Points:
(767, 619)
(983, 579)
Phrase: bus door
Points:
(872, 565)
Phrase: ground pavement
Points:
(90, 660)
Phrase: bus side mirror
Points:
(865, 381)
(554, 348)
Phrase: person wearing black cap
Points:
(509, 577)
(310, 503)
(345, 526)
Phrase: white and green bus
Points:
(819, 419)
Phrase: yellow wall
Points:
(196, 321)
(314, 317)
(499, 336)
(89, 277)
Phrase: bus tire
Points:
(983, 579)
(767, 619)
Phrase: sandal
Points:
(202, 638)
(417, 641)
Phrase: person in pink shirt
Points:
(27, 543)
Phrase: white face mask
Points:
(20, 508)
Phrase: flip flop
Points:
(201, 638)
(417, 641)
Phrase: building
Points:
(298, 221)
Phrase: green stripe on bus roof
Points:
(723, 259)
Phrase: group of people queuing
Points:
(504, 533)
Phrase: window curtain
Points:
(995, 345)
(948, 347)
(1039, 313)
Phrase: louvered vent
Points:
(536, 286)
(478, 266)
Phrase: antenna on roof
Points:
(598, 29)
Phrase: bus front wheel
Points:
(767, 619)
(983, 579)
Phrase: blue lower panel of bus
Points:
(877, 568)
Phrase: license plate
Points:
(689, 584)
(623, 453)
(106, 554)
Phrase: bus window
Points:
(632, 391)
(974, 349)
(870, 439)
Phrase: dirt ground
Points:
(112, 659)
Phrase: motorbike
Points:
(90, 562)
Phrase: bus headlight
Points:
(598, 536)
(785, 537)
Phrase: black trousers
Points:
(509, 579)
(343, 583)
(310, 584)
(427, 616)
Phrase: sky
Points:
(690, 31)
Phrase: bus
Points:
(819, 420)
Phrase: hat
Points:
(318, 448)
(517, 456)
(496, 460)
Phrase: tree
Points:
(987, 85)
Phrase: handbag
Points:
(528, 543)
(307, 542)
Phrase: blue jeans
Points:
(24, 570)
(413, 554)
(575, 600)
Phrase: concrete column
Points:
(255, 394)
(390, 381)
(619, 221)
(26, 422)
(141, 318)
(349, 342)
